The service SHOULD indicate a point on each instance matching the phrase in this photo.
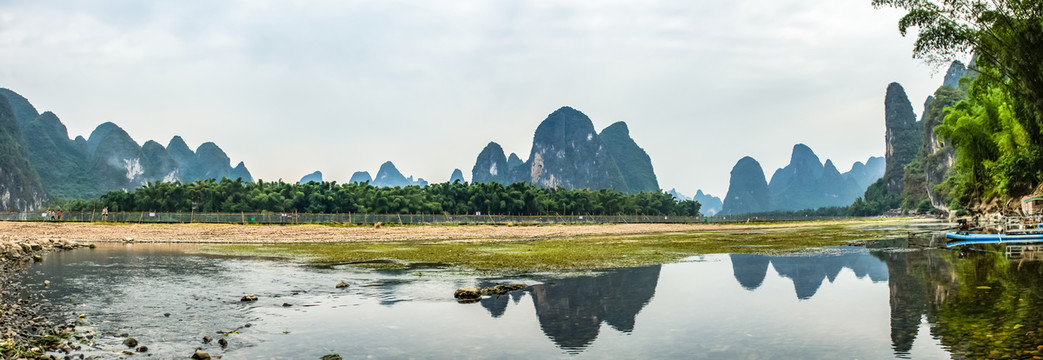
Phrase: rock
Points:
(200, 355)
(331, 357)
(516, 286)
(35, 247)
(46, 283)
(37, 258)
(142, 348)
(223, 343)
(342, 285)
(207, 339)
(166, 314)
(128, 352)
(467, 293)
(249, 297)
(130, 342)
(287, 304)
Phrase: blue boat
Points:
(972, 239)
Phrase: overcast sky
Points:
(340, 86)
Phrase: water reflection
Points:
(806, 272)
(889, 302)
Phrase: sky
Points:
(290, 87)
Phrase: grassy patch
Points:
(594, 252)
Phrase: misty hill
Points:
(457, 176)
(711, 205)
(389, 176)
(313, 177)
(361, 177)
(109, 159)
(20, 187)
(747, 190)
(804, 183)
(567, 152)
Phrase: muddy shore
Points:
(22, 328)
(230, 233)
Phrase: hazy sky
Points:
(340, 86)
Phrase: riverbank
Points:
(24, 333)
(267, 234)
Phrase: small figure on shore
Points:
(59, 214)
(105, 213)
(51, 214)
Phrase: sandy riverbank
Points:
(226, 233)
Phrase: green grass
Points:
(595, 252)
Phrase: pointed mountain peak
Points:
(177, 142)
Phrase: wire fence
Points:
(307, 218)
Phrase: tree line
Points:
(329, 197)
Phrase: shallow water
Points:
(847, 303)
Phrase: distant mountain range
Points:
(805, 183)
(39, 160)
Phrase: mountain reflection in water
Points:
(850, 302)
(807, 272)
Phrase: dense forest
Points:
(990, 127)
(329, 197)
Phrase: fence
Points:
(302, 218)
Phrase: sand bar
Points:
(228, 233)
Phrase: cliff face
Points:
(567, 152)
(491, 165)
(747, 190)
(23, 111)
(632, 160)
(20, 188)
(901, 136)
(60, 162)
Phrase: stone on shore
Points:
(249, 297)
(200, 355)
(342, 285)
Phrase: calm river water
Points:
(848, 303)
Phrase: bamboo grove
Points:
(329, 197)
